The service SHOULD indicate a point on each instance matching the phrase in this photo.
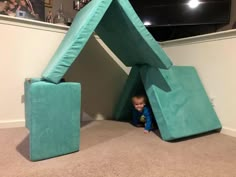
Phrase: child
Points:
(141, 113)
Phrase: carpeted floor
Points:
(115, 149)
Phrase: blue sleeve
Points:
(148, 115)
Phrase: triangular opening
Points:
(134, 86)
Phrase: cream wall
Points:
(214, 57)
(102, 80)
(25, 49)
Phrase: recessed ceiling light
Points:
(193, 3)
(147, 23)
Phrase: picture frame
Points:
(29, 9)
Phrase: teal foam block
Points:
(116, 22)
(53, 118)
(179, 102)
(27, 84)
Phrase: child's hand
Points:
(146, 131)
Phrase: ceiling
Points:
(172, 19)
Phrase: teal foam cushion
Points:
(120, 28)
(124, 33)
(53, 114)
(80, 31)
(179, 102)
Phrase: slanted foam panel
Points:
(53, 118)
(124, 33)
(116, 22)
(75, 39)
(179, 102)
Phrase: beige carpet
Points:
(110, 148)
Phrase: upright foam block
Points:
(179, 102)
(53, 118)
(27, 84)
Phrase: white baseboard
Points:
(228, 131)
(12, 124)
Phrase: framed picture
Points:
(48, 3)
(31, 9)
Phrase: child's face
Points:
(138, 103)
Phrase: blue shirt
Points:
(147, 115)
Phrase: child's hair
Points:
(139, 96)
